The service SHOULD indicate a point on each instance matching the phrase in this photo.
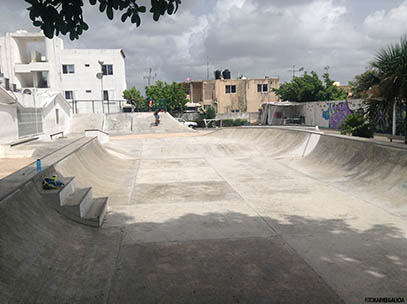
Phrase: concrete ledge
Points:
(102, 136)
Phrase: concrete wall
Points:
(249, 116)
(326, 114)
(58, 107)
(8, 123)
(329, 114)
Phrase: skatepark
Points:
(168, 214)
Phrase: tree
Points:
(364, 82)
(139, 101)
(173, 94)
(176, 97)
(66, 16)
(209, 113)
(310, 88)
(390, 66)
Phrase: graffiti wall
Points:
(329, 114)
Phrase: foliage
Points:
(391, 66)
(364, 82)
(240, 122)
(66, 16)
(139, 102)
(174, 94)
(310, 88)
(209, 113)
(356, 125)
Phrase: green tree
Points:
(139, 101)
(364, 82)
(174, 95)
(156, 93)
(310, 88)
(209, 113)
(390, 67)
(66, 16)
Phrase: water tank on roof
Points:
(218, 74)
(226, 74)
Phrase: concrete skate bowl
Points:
(47, 258)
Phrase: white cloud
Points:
(253, 37)
(387, 25)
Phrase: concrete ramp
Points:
(127, 123)
(375, 171)
(271, 141)
(81, 122)
(142, 123)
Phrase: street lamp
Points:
(100, 76)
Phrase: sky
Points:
(253, 38)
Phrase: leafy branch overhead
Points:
(64, 17)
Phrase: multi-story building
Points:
(43, 78)
(234, 95)
(30, 60)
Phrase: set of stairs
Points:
(76, 203)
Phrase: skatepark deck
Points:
(249, 215)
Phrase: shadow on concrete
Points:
(225, 257)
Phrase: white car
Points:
(189, 124)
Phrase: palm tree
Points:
(391, 66)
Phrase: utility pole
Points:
(294, 70)
(207, 67)
(150, 78)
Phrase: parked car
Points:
(189, 124)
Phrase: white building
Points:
(40, 73)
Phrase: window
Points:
(68, 95)
(265, 87)
(230, 89)
(107, 69)
(105, 95)
(87, 65)
(68, 68)
(57, 116)
(88, 91)
(262, 88)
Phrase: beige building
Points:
(234, 95)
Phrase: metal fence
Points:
(115, 106)
(29, 121)
(98, 106)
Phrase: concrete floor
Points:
(228, 217)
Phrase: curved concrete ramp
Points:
(142, 123)
(238, 215)
(378, 172)
(127, 123)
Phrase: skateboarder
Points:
(157, 117)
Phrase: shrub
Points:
(227, 123)
(355, 125)
(209, 113)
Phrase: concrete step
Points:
(78, 202)
(60, 195)
(96, 213)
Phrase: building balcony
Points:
(31, 67)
